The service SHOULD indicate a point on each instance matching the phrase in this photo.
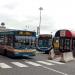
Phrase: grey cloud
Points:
(31, 22)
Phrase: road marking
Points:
(33, 63)
(3, 65)
(54, 70)
(46, 63)
(19, 64)
(56, 62)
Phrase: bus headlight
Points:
(16, 53)
(34, 52)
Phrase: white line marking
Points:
(55, 62)
(33, 63)
(3, 65)
(46, 63)
(55, 70)
(19, 64)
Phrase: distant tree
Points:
(2, 23)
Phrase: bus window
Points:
(40, 43)
(2, 40)
(17, 45)
(27, 42)
(61, 43)
(32, 42)
(9, 40)
(67, 44)
(50, 42)
(45, 43)
(19, 42)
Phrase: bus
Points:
(17, 43)
(64, 41)
(44, 42)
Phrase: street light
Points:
(40, 18)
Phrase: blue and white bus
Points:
(18, 43)
(44, 42)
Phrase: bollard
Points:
(67, 56)
(51, 55)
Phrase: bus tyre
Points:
(46, 52)
(9, 54)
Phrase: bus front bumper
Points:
(25, 52)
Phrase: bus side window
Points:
(2, 40)
(67, 43)
(40, 43)
(61, 43)
(9, 40)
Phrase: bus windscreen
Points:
(44, 42)
(24, 42)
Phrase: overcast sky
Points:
(56, 14)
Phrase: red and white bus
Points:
(64, 41)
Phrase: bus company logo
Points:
(62, 33)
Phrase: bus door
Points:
(67, 45)
(56, 43)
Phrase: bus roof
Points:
(45, 35)
(12, 32)
(65, 33)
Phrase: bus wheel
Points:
(47, 52)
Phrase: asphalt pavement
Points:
(37, 65)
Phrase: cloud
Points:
(56, 14)
(10, 6)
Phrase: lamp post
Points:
(40, 19)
